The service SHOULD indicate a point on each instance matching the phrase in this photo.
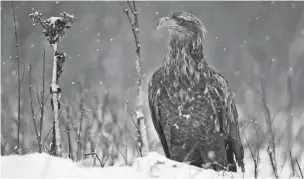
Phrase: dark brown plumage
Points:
(191, 104)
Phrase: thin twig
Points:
(134, 143)
(4, 146)
(141, 128)
(79, 131)
(19, 81)
(42, 99)
(50, 128)
(292, 164)
(32, 144)
(270, 153)
(125, 116)
(93, 153)
(253, 158)
(37, 94)
(69, 141)
(31, 101)
(245, 125)
(268, 121)
(299, 168)
(104, 163)
(126, 161)
(134, 123)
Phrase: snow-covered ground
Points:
(153, 165)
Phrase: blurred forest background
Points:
(256, 45)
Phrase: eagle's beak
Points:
(165, 22)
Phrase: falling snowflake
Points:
(290, 70)
(257, 17)
(78, 55)
(273, 60)
(182, 6)
(57, 2)
(111, 40)
(156, 12)
(216, 37)
(32, 46)
(87, 29)
(292, 5)
(13, 72)
(211, 155)
(100, 82)
(267, 37)
(245, 41)
(70, 57)
(236, 73)
(3, 63)
(272, 2)
(73, 82)
(98, 40)
(34, 24)
(97, 49)
(33, 9)
(221, 41)
(10, 57)
(242, 45)
(98, 34)
(225, 49)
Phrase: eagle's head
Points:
(183, 25)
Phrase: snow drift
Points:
(153, 165)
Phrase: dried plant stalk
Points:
(142, 141)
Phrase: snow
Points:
(53, 21)
(151, 166)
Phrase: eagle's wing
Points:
(233, 131)
(152, 94)
(227, 114)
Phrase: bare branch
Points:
(126, 161)
(4, 147)
(104, 163)
(42, 99)
(19, 81)
(31, 99)
(270, 153)
(299, 168)
(93, 153)
(37, 95)
(292, 164)
(130, 6)
(253, 158)
(50, 129)
(125, 121)
(134, 143)
(141, 128)
(69, 141)
(79, 131)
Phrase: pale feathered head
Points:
(183, 24)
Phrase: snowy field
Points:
(153, 165)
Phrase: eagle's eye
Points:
(179, 20)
